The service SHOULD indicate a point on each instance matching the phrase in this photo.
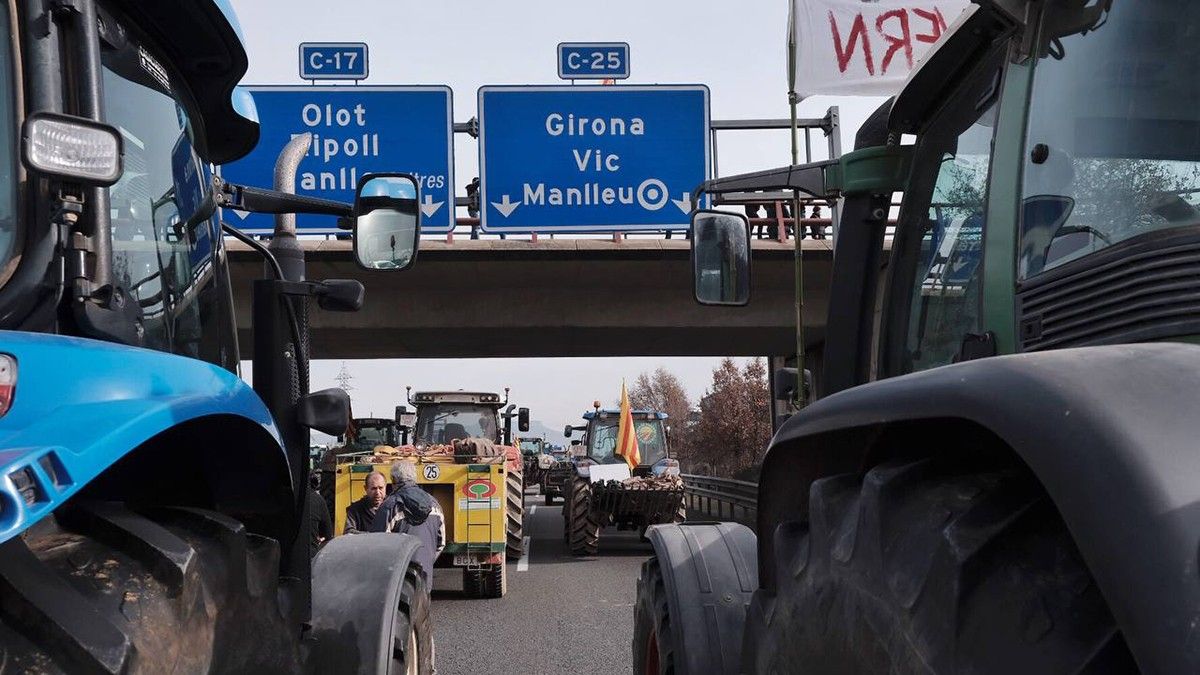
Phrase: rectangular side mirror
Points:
(387, 221)
(523, 419)
(567, 430)
(327, 411)
(721, 258)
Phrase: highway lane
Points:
(561, 615)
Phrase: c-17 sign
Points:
(591, 159)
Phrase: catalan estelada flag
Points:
(627, 443)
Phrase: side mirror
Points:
(73, 148)
(523, 419)
(340, 295)
(721, 258)
(786, 382)
(567, 430)
(401, 411)
(327, 411)
(387, 221)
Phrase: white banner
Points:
(857, 48)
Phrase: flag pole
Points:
(793, 100)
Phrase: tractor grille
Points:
(1147, 288)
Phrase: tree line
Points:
(725, 433)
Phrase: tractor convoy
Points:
(996, 468)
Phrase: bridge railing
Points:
(723, 499)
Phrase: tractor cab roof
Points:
(477, 397)
(373, 422)
(605, 413)
(203, 44)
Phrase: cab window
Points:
(938, 251)
(162, 254)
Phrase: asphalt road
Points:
(561, 614)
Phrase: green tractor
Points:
(996, 470)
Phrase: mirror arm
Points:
(256, 245)
(258, 200)
(810, 179)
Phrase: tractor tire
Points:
(653, 641)
(923, 568)
(514, 517)
(100, 588)
(490, 583)
(584, 528)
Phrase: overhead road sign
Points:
(356, 130)
(591, 158)
(333, 61)
(593, 60)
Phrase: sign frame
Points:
(357, 46)
(484, 209)
(373, 88)
(564, 46)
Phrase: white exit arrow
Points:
(684, 204)
(505, 206)
(430, 207)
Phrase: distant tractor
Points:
(559, 474)
(603, 491)
(535, 458)
(444, 417)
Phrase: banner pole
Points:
(801, 393)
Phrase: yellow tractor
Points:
(472, 496)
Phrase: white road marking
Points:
(532, 509)
(523, 563)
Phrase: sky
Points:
(737, 49)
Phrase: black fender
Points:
(1112, 433)
(709, 576)
(357, 582)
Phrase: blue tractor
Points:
(154, 510)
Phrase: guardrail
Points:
(721, 499)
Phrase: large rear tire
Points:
(101, 588)
(490, 583)
(514, 516)
(583, 526)
(925, 568)
(653, 641)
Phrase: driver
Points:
(487, 426)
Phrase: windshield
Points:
(367, 437)
(442, 423)
(531, 447)
(8, 159)
(1114, 134)
(160, 252)
(602, 440)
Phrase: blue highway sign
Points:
(333, 61)
(593, 60)
(591, 158)
(356, 130)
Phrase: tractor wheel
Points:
(101, 588)
(473, 584)
(653, 641)
(919, 568)
(514, 516)
(495, 581)
(584, 535)
(549, 500)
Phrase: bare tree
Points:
(734, 424)
(662, 391)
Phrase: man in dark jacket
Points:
(361, 514)
(411, 510)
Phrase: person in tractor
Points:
(361, 514)
(411, 510)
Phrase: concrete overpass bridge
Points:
(552, 297)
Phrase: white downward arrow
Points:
(684, 204)
(430, 207)
(505, 206)
(241, 214)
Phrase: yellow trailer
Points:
(473, 500)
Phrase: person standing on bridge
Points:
(411, 510)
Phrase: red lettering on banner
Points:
(895, 44)
(859, 29)
(937, 24)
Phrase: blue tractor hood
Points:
(203, 43)
(80, 405)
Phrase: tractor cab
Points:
(368, 432)
(648, 425)
(447, 416)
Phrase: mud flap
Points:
(710, 571)
(357, 587)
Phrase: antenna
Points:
(343, 378)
